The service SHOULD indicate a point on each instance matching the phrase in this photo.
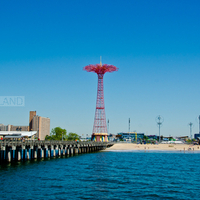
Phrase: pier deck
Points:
(11, 151)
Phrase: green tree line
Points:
(58, 133)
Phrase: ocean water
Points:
(105, 175)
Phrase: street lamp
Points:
(159, 120)
(190, 124)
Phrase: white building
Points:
(17, 134)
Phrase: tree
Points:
(72, 137)
(58, 133)
(161, 137)
(48, 137)
(188, 141)
(145, 137)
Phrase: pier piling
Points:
(11, 151)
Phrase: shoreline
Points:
(154, 147)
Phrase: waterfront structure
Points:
(41, 125)
(133, 136)
(12, 135)
(27, 150)
(99, 132)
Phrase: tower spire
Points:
(101, 60)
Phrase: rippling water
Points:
(105, 175)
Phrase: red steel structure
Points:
(100, 127)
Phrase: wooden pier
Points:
(12, 151)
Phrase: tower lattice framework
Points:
(100, 115)
(100, 127)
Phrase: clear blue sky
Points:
(44, 46)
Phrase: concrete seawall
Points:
(12, 151)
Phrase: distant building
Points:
(13, 128)
(182, 138)
(111, 137)
(41, 125)
(196, 136)
(152, 137)
(36, 123)
(132, 135)
(5, 127)
(31, 115)
(19, 128)
(165, 139)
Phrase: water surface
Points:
(105, 175)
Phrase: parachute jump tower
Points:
(99, 133)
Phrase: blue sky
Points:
(155, 44)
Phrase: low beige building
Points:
(13, 128)
(19, 128)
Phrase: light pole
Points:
(108, 126)
(199, 124)
(129, 127)
(159, 120)
(190, 124)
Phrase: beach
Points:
(159, 147)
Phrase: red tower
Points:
(100, 129)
